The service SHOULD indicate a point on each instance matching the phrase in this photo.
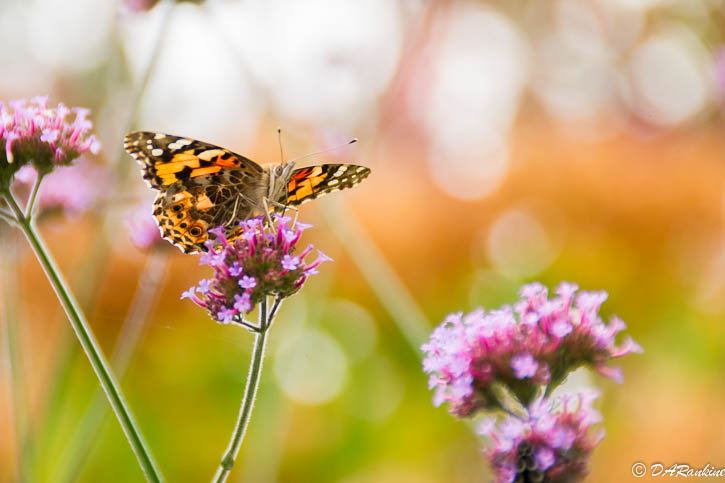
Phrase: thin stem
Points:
(87, 340)
(255, 369)
(84, 277)
(275, 307)
(33, 196)
(134, 327)
(8, 217)
(247, 325)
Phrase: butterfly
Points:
(202, 186)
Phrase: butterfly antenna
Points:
(279, 140)
(352, 141)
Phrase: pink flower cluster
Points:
(32, 131)
(533, 345)
(552, 444)
(260, 262)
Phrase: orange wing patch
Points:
(188, 165)
(310, 183)
(167, 159)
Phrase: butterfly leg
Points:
(234, 211)
(267, 213)
(269, 203)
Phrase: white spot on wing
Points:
(340, 170)
(157, 151)
(332, 182)
(159, 135)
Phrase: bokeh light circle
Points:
(310, 367)
(377, 391)
(181, 98)
(353, 326)
(669, 78)
(467, 97)
(519, 246)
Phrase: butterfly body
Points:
(202, 186)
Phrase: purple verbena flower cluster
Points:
(551, 444)
(32, 132)
(533, 345)
(260, 262)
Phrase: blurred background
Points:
(509, 141)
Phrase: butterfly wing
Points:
(201, 186)
(309, 183)
(166, 159)
(186, 212)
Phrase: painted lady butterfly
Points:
(202, 186)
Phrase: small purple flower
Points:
(545, 458)
(236, 269)
(243, 302)
(204, 286)
(213, 259)
(524, 365)
(247, 282)
(302, 226)
(289, 262)
(258, 263)
(321, 257)
(226, 316)
(567, 290)
(560, 328)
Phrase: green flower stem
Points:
(7, 217)
(88, 342)
(79, 444)
(34, 196)
(250, 392)
(84, 277)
